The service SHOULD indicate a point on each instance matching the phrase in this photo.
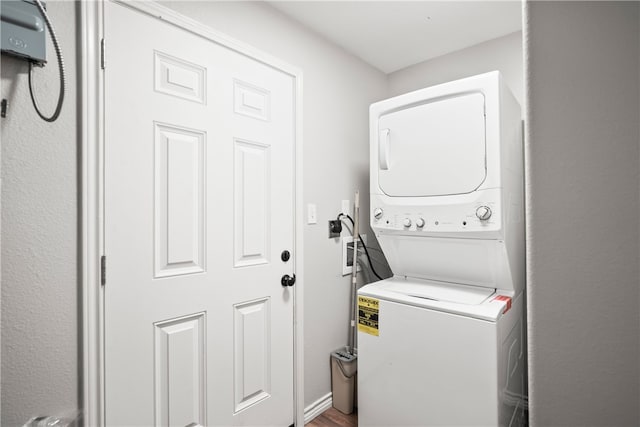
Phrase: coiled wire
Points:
(56, 46)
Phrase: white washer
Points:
(441, 343)
(444, 356)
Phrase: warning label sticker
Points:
(368, 310)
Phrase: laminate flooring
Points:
(334, 418)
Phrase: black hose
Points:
(56, 46)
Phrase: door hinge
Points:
(103, 270)
(102, 53)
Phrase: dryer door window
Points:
(433, 149)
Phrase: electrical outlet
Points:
(335, 228)
(347, 254)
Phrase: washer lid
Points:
(433, 149)
(459, 294)
(469, 301)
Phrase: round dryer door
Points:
(433, 149)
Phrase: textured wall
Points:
(338, 89)
(582, 150)
(503, 54)
(39, 237)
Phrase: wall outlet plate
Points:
(335, 228)
(347, 254)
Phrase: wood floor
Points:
(334, 418)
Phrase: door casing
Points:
(92, 192)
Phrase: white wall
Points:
(39, 237)
(503, 54)
(338, 89)
(582, 149)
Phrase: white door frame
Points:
(92, 192)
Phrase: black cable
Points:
(373, 270)
(56, 46)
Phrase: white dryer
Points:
(441, 342)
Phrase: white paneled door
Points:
(199, 180)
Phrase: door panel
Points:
(252, 221)
(180, 375)
(180, 78)
(179, 160)
(252, 353)
(199, 179)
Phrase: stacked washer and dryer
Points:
(441, 342)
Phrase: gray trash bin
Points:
(344, 368)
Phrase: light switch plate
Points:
(312, 214)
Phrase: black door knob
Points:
(288, 280)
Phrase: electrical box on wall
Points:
(347, 254)
(23, 30)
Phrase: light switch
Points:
(312, 214)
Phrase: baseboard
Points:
(317, 407)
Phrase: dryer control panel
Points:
(481, 215)
(482, 218)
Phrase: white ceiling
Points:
(391, 35)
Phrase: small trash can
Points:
(344, 367)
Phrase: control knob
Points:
(377, 213)
(483, 213)
(406, 222)
(420, 222)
